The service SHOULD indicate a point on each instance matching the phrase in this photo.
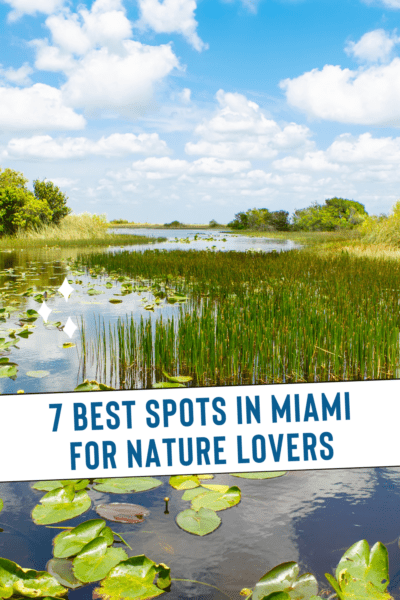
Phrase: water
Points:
(310, 517)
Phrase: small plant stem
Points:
(122, 540)
(202, 583)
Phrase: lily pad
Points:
(90, 386)
(184, 482)
(1, 504)
(166, 384)
(200, 522)
(8, 371)
(216, 488)
(16, 581)
(71, 542)
(59, 505)
(61, 569)
(47, 486)
(178, 378)
(96, 560)
(93, 292)
(119, 512)
(37, 374)
(115, 301)
(261, 475)
(217, 500)
(133, 579)
(126, 485)
(284, 578)
(190, 494)
(69, 345)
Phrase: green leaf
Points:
(37, 374)
(69, 345)
(200, 522)
(178, 378)
(217, 500)
(166, 384)
(133, 579)
(47, 486)
(215, 488)
(260, 475)
(27, 582)
(190, 494)
(174, 299)
(69, 543)
(126, 485)
(93, 292)
(184, 482)
(284, 578)
(109, 285)
(61, 569)
(1, 504)
(59, 505)
(95, 560)
(115, 301)
(8, 371)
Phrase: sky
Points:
(156, 110)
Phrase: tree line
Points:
(22, 209)
(334, 214)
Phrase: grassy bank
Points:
(160, 226)
(84, 230)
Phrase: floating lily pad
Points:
(127, 484)
(133, 579)
(120, 512)
(216, 488)
(69, 345)
(93, 292)
(261, 475)
(96, 560)
(1, 504)
(184, 482)
(190, 494)
(217, 500)
(59, 505)
(90, 386)
(71, 542)
(37, 374)
(175, 299)
(200, 522)
(47, 486)
(284, 578)
(115, 301)
(16, 581)
(8, 371)
(178, 378)
(61, 569)
(166, 384)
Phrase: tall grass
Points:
(383, 230)
(262, 318)
(76, 229)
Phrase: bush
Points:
(383, 229)
(174, 224)
(261, 219)
(19, 209)
(119, 221)
(336, 213)
(55, 198)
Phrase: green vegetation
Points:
(283, 317)
(56, 200)
(174, 224)
(261, 219)
(336, 213)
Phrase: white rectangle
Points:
(199, 430)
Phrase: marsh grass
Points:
(255, 318)
(75, 230)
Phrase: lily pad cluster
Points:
(362, 574)
(206, 500)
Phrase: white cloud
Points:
(387, 3)
(171, 16)
(51, 58)
(18, 76)
(240, 129)
(185, 95)
(374, 46)
(117, 144)
(366, 96)
(35, 108)
(31, 7)
(104, 80)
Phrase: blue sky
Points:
(156, 110)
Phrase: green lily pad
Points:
(126, 485)
(261, 475)
(115, 301)
(8, 371)
(284, 578)
(190, 494)
(133, 579)
(96, 560)
(61, 569)
(37, 374)
(215, 488)
(16, 581)
(93, 292)
(184, 482)
(47, 486)
(217, 500)
(109, 285)
(59, 505)
(166, 384)
(178, 378)
(1, 504)
(200, 522)
(71, 542)
(175, 299)
(69, 345)
(90, 386)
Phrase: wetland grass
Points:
(253, 318)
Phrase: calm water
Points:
(309, 517)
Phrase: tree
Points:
(20, 209)
(55, 198)
(261, 219)
(14, 179)
(336, 213)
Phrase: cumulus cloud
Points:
(366, 97)
(35, 108)
(17, 76)
(171, 16)
(374, 46)
(117, 144)
(240, 129)
(31, 7)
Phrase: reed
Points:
(255, 318)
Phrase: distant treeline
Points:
(334, 214)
